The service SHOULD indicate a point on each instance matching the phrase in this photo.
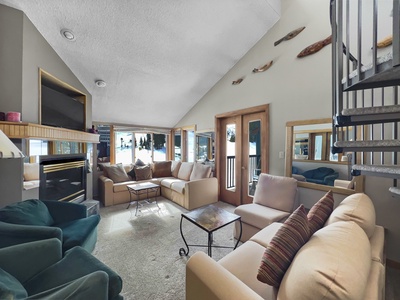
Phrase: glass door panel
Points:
(177, 145)
(317, 147)
(123, 147)
(143, 147)
(190, 147)
(159, 147)
(254, 163)
(230, 157)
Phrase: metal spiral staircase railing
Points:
(366, 110)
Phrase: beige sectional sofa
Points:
(345, 259)
(188, 184)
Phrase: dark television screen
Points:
(61, 110)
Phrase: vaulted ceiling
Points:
(158, 58)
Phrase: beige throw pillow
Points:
(116, 173)
(185, 170)
(31, 171)
(142, 173)
(200, 171)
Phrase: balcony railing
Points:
(230, 169)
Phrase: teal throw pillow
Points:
(28, 212)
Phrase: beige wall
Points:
(23, 52)
(297, 89)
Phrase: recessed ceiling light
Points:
(67, 34)
(100, 83)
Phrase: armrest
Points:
(330, 179)
(23, 261)
(201, 192)
(65, 211)
(14, 234)
(106, 186)
(206, 279)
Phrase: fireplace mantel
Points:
(40, 132)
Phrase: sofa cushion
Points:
(276, 192)
(162, 169)
(377, 241)
(334, 264)
(320, 212)
(178, 186)
(75, 232)
(358, 208)
(264, 236)
(167, 182)
(200, 171)
(290, 237)
(28, 212)
(258, 215)
(122, 186)
(142, 173)
(175, 166)
(185, 170)
(10, 287)
(31, 171)
(116, 173)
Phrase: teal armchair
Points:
(33, 219)
(38, 270)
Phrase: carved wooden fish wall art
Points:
(238, 81)
(289, 36)
(315, 47)
(387, 41)
(263, 68)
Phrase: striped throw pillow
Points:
(320, 212)
(292, 235)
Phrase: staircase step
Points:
(394, 190)
(368, 115)
(369, 146)
(388, 171)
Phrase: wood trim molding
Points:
(35, 131)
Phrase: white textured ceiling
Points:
(158, 58)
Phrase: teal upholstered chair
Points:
(33, 219)
(37, 270)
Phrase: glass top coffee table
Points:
(138, 189)
(209, 218)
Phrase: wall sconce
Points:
(8, 149)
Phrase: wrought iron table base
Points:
(138, 193)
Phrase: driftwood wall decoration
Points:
(263, 68)
(315, 47)
(289, 36)
(238, 81)
(387, 41)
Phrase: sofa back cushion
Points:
(10, 287)
(28, 212)
(334, 264)
(200, 171)
(277, 192)
(185, 170)
(116, 173)
(31, 171)
(358, 208)
(162, 169)
(175, 166)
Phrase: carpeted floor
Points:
(144, 249)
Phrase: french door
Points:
(242, 153)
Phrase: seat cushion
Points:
(277, 192)
(259, 216)
(179, 186)
(76, 263)
(334, 264)
(167, 182)
(28, 212)
(10, 287)
(76, 232)
(264, 236)
(358, 208)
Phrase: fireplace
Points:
(63, 177)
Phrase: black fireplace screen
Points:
(63, 177)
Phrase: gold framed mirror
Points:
(310, 161)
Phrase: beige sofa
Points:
(187, 184)
(343, 260)
(31, 176)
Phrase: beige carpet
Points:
(144, 249)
